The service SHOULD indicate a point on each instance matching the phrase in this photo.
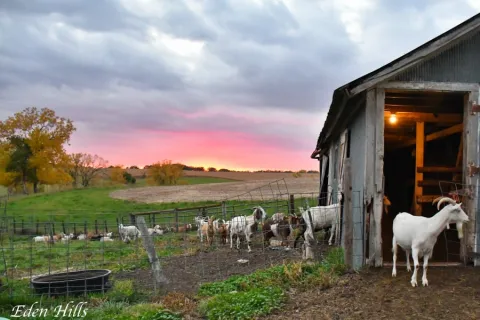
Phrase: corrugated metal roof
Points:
(343, 94)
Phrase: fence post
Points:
(153, 219)
(37, 226)
(224, 210)
(348, 214)
(105, 224)
(159, 277)
(23, 227)
(85, 227)
(291, 206)
(132, 219)
(14, 226)
(53, 227)
(74, 228)
(176, 219)
(63, 227)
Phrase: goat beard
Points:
(460, 230)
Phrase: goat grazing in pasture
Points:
(128, 232)
(208, 231)
(418, 235)
(106, 239)
(246, 225)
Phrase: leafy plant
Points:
(243, 305)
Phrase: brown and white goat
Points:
(208, 230)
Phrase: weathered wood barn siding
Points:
(460, 63)
(357, 149)
(449, 61)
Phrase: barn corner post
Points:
(471, 159)
(368, 174)
(158, 276)
(348, 214)
(378, 174)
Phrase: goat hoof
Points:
(409, 269)
(394, 274)
(414, 283)
(425, 283)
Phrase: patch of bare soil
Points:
(217, 191)
(453, 293)
(187, 273)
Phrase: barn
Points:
(408, 130)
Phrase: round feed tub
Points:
(72, 283)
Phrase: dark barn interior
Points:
(425, 132)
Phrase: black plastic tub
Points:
(72, 283)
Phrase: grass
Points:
(260, 293)
(238, 297)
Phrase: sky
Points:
(233, 84)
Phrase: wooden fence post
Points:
(96, 226)
(14, 226)
(74, 228)
(291, 204)
(224, 210)
(348, 214)
(159, 277)
(105, 224)
(63, 227)
(37, 226)
(176, 219)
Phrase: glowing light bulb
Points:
(393, 118)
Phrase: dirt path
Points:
(218, 191)
(453, 293)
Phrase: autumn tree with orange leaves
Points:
(32, 148)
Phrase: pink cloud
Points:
(219, 149)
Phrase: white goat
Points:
(246, 225)
(199, 221)
(418, 235)
(105, 239)
(66, 238)
(82, 236)
(128, 232)
(277, 217)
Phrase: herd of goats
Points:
(416, 235)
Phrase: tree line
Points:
(32, 153)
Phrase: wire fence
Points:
(103, 255)
(53, 245)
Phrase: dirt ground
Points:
(220, 191)
(453, 293)
(187, 273)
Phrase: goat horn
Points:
(445, 199)
(436, 200)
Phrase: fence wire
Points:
(39, 245)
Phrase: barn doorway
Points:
(416, 165)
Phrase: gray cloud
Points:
(103, 63)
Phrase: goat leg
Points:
(413, 281)
(394, 251)
(408, 260)
(425, 267)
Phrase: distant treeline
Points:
(212, 169)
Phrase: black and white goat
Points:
(246, 225)
(418, 235)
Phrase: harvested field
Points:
(453, 293)
(216, 191)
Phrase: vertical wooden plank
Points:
(419, 153)
(369, 169)
(348, 214)
(330, 174)
(470, 156)
(322, 174)
(379, 154)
